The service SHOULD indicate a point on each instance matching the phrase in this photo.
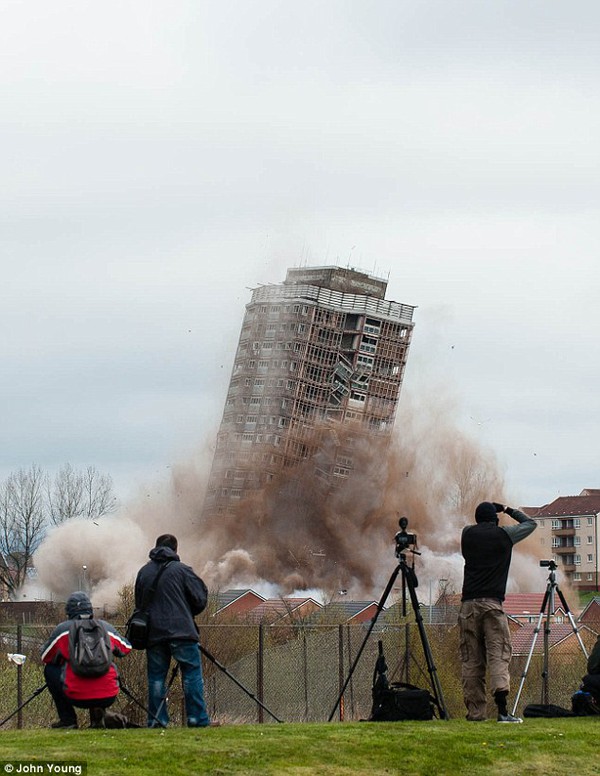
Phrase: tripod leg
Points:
(410, 578)
(380, 606)
(536, 631)
(22, 706)
(169, 685)
(572, 621)
(222, 668)
(132, 697)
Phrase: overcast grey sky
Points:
(160, 158)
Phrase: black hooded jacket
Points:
(179, 597)
(487, 550)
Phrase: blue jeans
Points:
(187, 656)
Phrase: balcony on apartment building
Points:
(567, 528)
(564, 549)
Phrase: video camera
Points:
(551, 564)
(403, 539)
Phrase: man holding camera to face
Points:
(484, 635)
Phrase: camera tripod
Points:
(547, 609)
(44, 686)
(410, 583)
(155, 717)
(224, 670)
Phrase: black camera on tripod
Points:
(403, 539)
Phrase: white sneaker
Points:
(508, 718)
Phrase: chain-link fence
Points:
(295, 673)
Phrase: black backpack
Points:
(90, 650)
(584, 704)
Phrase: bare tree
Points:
(79, 494)
(22, 524)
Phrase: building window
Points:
(590, 521)
(590, 540)
(590, 558)
(555, 524)
(589, 577)
(555, 541)
(577, 577)
(576, 541)
(576, 523)
(365, 361)
(577, 560)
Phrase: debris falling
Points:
(303, 533)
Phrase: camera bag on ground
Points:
(401, 701)
(546, 710)
(137, 629)
(90, 651)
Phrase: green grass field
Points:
(538, 746)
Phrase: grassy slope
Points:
(452, 747)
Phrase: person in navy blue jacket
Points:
(180, 595)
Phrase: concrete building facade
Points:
(568, 533)
(321, 351)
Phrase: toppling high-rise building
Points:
(319, 364)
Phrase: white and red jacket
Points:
(84, 688)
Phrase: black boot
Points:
(500, 698)
(66, 724)
(97, 718)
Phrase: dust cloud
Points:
(305, 531)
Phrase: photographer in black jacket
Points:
(180, 596)
(484, 636)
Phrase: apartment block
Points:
(568, 534)
(319, 352)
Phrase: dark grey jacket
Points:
(179, 597)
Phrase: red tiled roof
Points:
(591, 611)
(570, 505)
(520, 604)
(276, 608)
(522, 639)
(515, 604)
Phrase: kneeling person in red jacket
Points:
(70, 690)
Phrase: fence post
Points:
(351, 685)
(260, 668)
(407, 652)
(19, 677)
(341, 668)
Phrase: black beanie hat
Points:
(79, 605)
(486, 513)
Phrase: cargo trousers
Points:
(485, 644)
